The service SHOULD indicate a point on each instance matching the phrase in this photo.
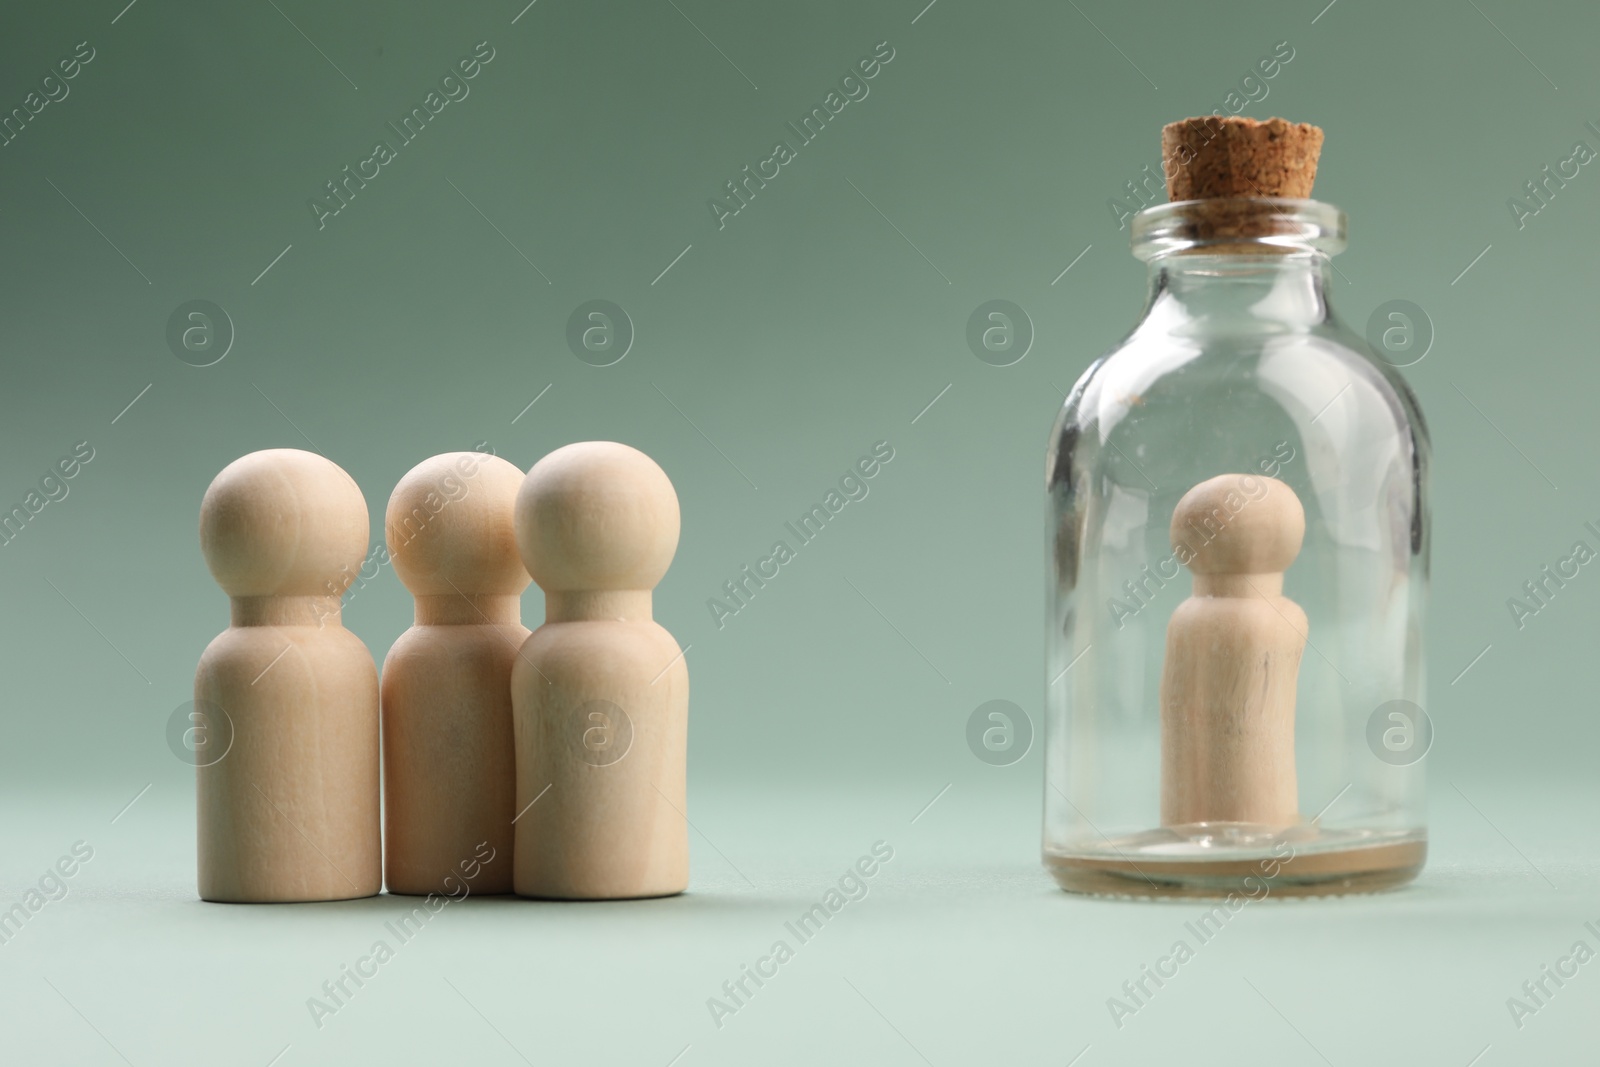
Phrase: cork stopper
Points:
(1215, 157)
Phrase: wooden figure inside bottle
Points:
(1233, 658)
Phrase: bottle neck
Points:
(1244, 292)
(1242, 265)
(613, 605)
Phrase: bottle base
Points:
(1318, 865)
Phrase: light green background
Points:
(822, 319)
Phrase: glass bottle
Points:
(1238, 367)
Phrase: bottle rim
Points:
(1238, 226)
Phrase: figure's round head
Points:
(283, 523)
(1238, 524)
(597, 516)
(449, 526)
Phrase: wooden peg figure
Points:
(1233, 657)
(288, 809)
(449, 778)
(600, 692)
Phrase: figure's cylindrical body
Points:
(449, 775)
(289, 812)
(1227, 711)
(602, 743)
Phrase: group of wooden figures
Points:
(557, 753)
